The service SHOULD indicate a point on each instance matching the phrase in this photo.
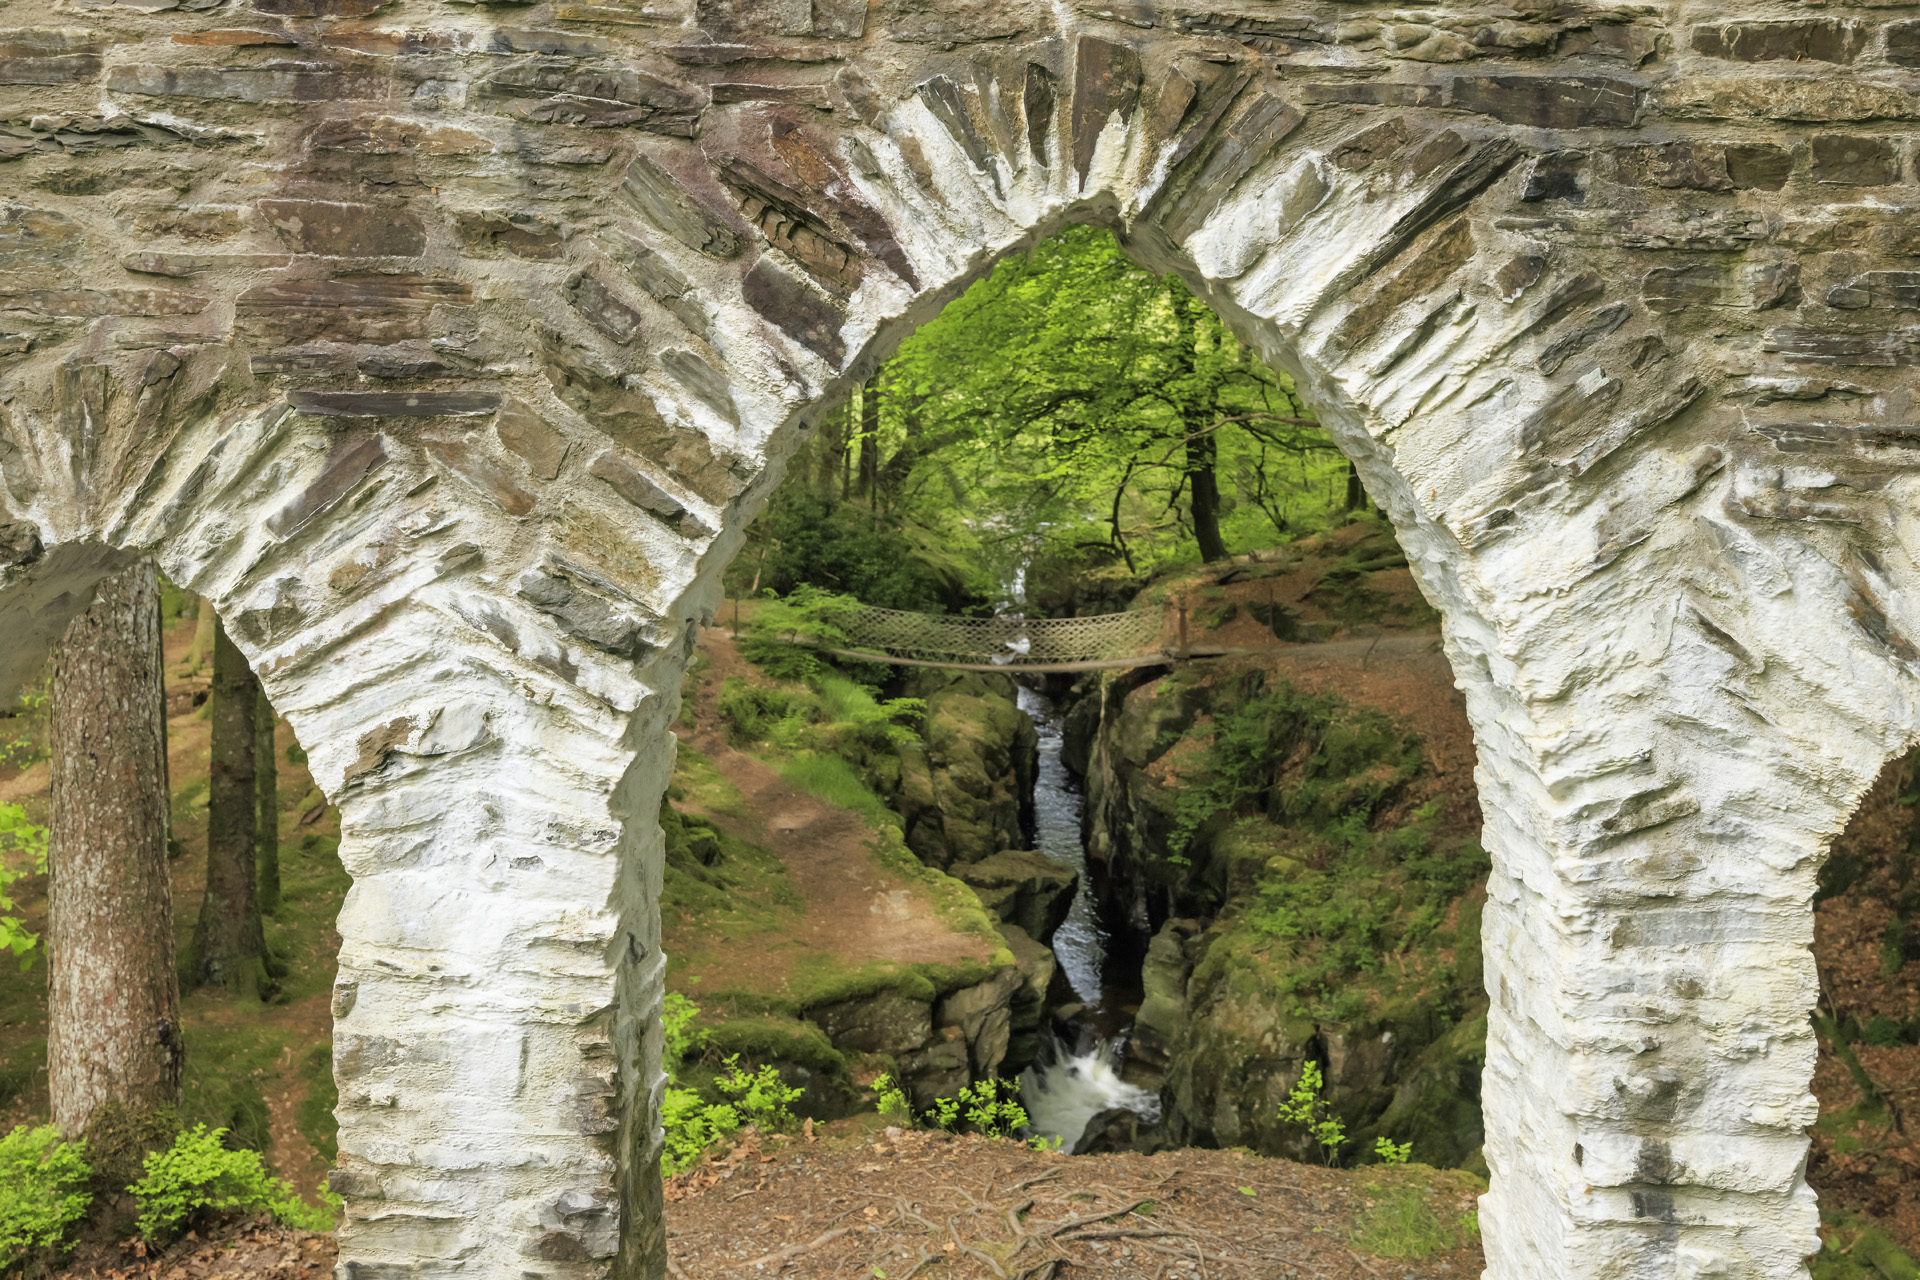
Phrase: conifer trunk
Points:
(113, 1012)
(204, 624)
(266, 791)
(229, 943)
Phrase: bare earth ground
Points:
(890, 1203)
(252, 1249)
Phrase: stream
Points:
(1071, 1084)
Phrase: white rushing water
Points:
(1065, 1090)
(1062, 1094)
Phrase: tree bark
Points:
(870, 440)
(113, 1012)
(266, 791)
(1356, 493)
(229, 943)
(1203, 495)
(203, 629)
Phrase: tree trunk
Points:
(113, 1013)
(229, 943)
(1356, 494)
(203, 629)
(870, 440)
(1203, 492)
(266, 790)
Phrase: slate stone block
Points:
(1038, 99)
(1793, 40)
(350, 309)
(1692, 166)
(484, 473)
(804, 315)
(1759, 166)
(524, 235)
(1376, 93)
(666, 201)
(352, 458)
(538, 442)
(599, 307)
(1106, 83)
(395, 404)
(636, 486)
(290, 82)
(1550, 102)
(1557, 175)
(1903, 44)
(1849, 160)
(320, 8)
(336, 229)
(1229, 156)
(67, 69)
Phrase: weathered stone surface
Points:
(665, 201)
(1106, 84)
(536, 440)
(1549, 102)
(351, 308)
(599, 307)
(805, 316)
(1785, 97)
(395, 404)
(1897, 289)
(292, 82)
(1558, 175)
(524, 235)
(345, 230)
(595, 97)
(1812, 39)
(1850, 160)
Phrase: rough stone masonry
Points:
(449, 348)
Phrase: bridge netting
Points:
(1002, 641)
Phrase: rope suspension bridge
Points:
(1003, 643)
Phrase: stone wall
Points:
(448, 348)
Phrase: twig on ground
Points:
(789, 1252)
(1097, 1217)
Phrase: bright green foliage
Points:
(43, 1191)
(1391, 1152)
(26, 740)
(893, 1100)
(22, 841)
(990, 1108)
(198, 1177)
(677, 1016)
(694, 1123)
(1071, 411)
(1307, 1108)
(761, 1097)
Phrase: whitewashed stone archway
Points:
(450, 349)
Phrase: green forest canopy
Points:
(1071, 411)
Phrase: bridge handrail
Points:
(1008, 640)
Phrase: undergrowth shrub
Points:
(43, 1192)
(198, 1179)
(990, 1108)
(694, 1122)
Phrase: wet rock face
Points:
(1603, 302)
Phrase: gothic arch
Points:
(450, 354)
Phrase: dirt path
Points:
(854, 908)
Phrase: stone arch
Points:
(450, 357)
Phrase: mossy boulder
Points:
(966, 790)
(1036, 965)
(1022, 887)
